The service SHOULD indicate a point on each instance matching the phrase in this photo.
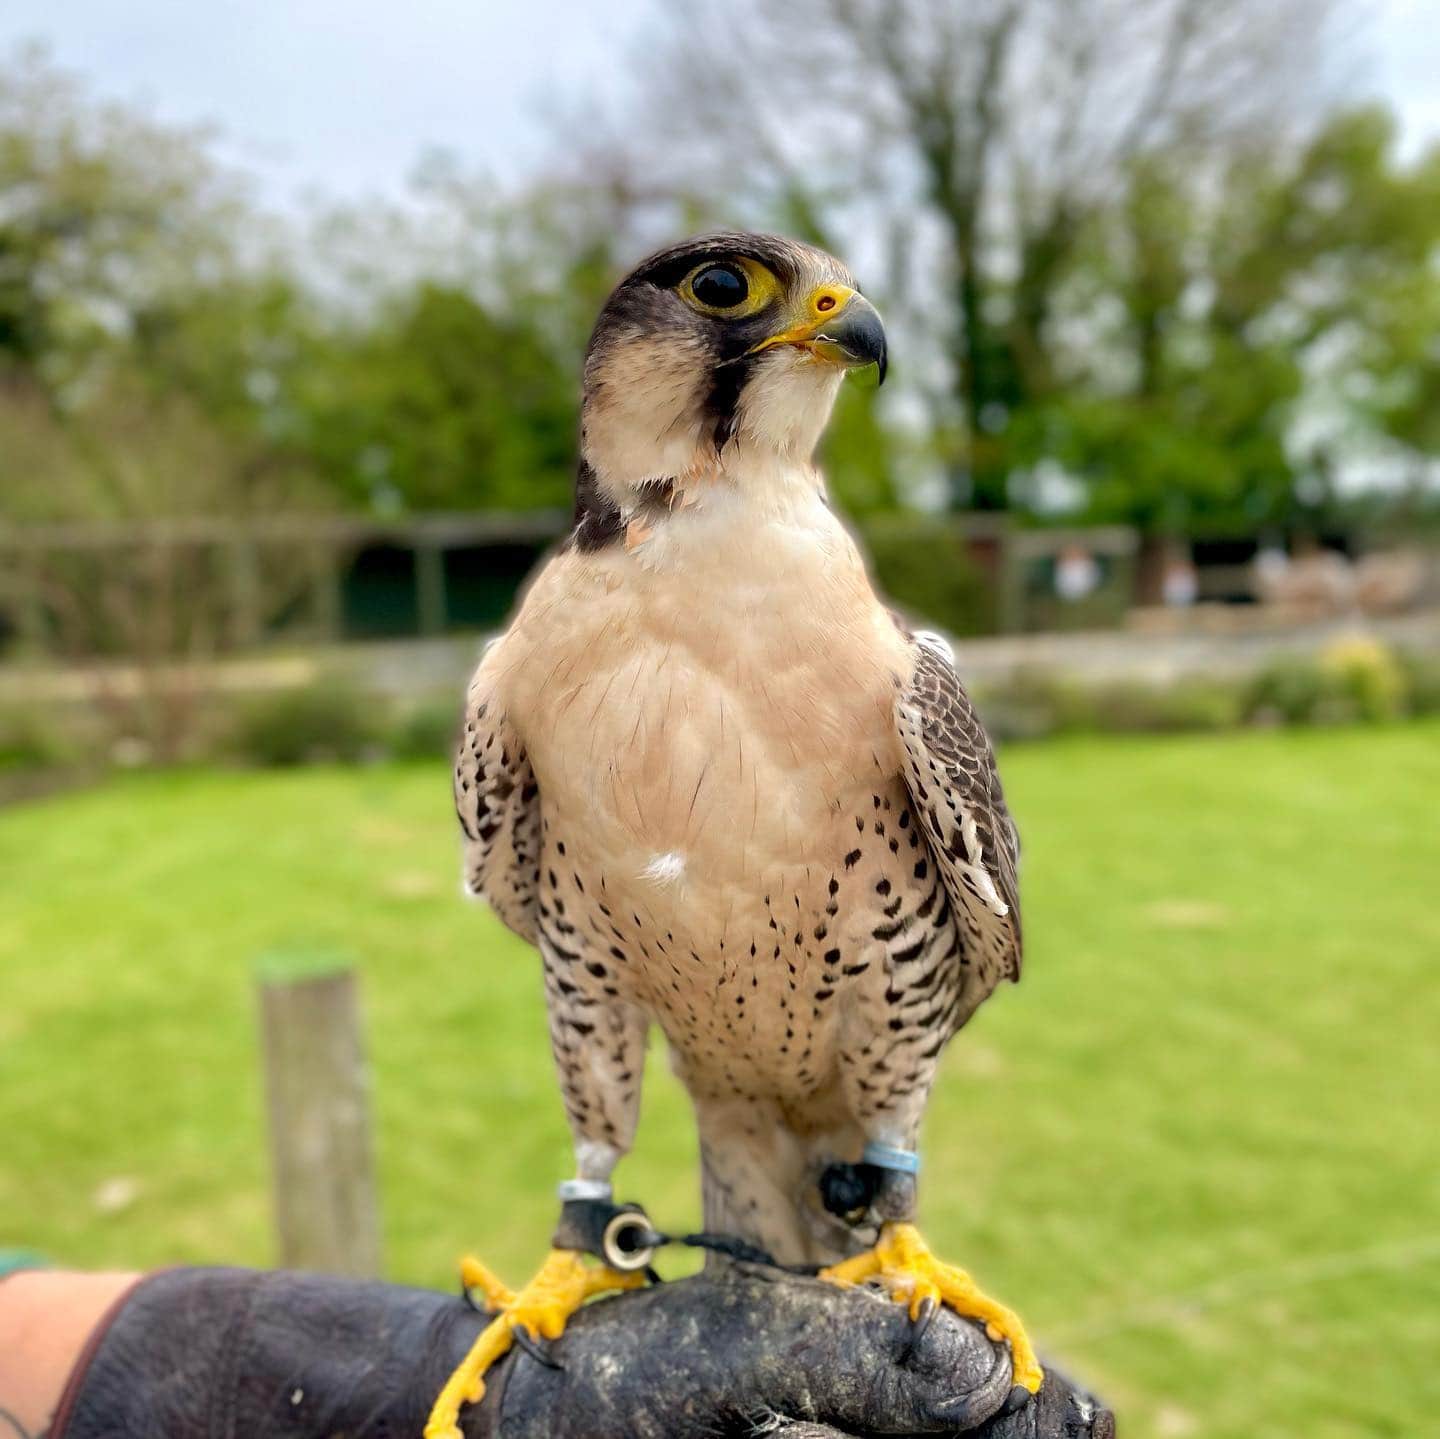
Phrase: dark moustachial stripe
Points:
(598, 521)
(722, 400)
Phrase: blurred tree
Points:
(450, 373)
(137, 285)
(164, 598)
(138, 309)
(1131, 272)
(438, 402)
(968, 147)
(1206, 313)
(432, 361)
(1377, 348)
(104, 214)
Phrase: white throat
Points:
(643, 434)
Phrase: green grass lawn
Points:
(1198, 1147)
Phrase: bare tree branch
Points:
(964, 148)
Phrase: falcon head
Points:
(720, 347)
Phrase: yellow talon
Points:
(542, 1308)
(903, 1263)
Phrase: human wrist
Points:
(46, 1318)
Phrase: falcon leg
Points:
(901, 1262)
(599, 1052)
(752, 1168)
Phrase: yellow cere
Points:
(821, 305)
(827, 302)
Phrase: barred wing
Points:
(498, 803)
(955, 788)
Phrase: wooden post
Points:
(1010, 605)
(244, 591)
(317, 1086)
(327, 592)
(430, 588)
(31, 623)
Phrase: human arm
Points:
(300, 1356)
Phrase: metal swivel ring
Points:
(628, 1241)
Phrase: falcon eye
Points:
(730, 289)
(721, 287)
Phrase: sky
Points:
(343, 96)
(340, 97)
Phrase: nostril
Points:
(824, 303)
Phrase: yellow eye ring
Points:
(731, 288)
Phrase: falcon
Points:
(723, 790)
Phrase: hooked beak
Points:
(854, 338)
(840, 326)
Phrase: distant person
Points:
(1077, 573)
(1180, 583)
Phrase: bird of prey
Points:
(723, 790)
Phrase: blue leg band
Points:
(886, 1156)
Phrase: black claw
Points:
(1019, 1397)
(918, 1327)
(468, 1295)
(521, 1336)
(651, 1275)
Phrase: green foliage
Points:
(1291, 691)
(1350, 680)
(134, 276)
(1205, 306)
(144, 327)
(1031, 704)
(1191, 705)
(858, 454)
(1036, 704)
(1207, 457)
(108, 219)
(923, 564)
(163, 351)
(29, 740)
(332, 722)
(1353, 682)
(1422, 682)
(322, 723)
(1369, 676)
(439, 402)
(429, 730)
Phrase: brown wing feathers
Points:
(954, 785)
(498, 803)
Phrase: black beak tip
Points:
(861, 334)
